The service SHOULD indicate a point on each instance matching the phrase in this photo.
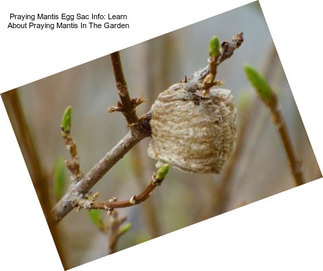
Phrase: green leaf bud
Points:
(214, 47)
(66, 122)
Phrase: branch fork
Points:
(120, 108)
(139, 129)
(218, 53)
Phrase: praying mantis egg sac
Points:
(191, 131)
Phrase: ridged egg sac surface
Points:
(193, 132)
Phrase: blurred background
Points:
(258, 169)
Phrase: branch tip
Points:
(66, 121)
(270, 100)
(128, 108)
(214, 47)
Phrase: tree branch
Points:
(113, 203)
(70, 199)
(115, 231)
(226, 51)
(73, 164)
(269, 98)
(295, 164)
(139, 129)
(127, 105)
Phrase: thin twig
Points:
(127, 105)
(73, 164)
(227, 50)
(112, 227)
(114, 230)
(281, 126)
(77, 191)
(254, 114)
(269, 98)
(112, 204)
